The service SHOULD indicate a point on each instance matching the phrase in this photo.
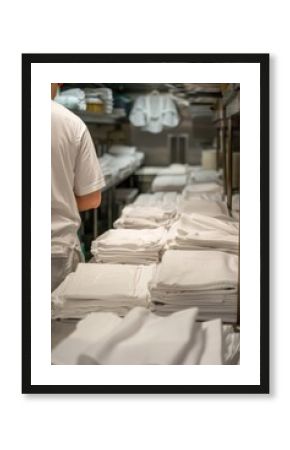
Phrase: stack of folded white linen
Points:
(206, 191)
(72, 99)
(105, 94)
(160, 199)
(142, 338)
(129, 246)
(204, 176)
(109, 170)
(169, 183)
(102, 287)
(174, 169)
(122, 150)
(200, 206)
(145, 217)
(205, 279)
(119, 165)
(199, 232)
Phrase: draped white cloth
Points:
(129, 246)
(102, 287)
(142, 338)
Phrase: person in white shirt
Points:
(76, 182)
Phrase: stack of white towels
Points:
(102, 287)
(204, 176)
(145, 217)
(205, 279)
(206, 191)
(200, 232)
(211, 208)
(105, 94)
(171, 183)
(129, 246)
(72, 99)
(119, 164)
(143, 338)
(163, 200)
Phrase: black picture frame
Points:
(248, 58)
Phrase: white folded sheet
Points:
(103, 287)
(202, 206)
(197, 270)
(205, 279)
(129, 246)
(163, 200)
(142, 338)
(135, 216)
(174, 183)
(197, 232)
(206, 191)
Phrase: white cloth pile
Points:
(129, 246)
(145, 217)
(206, 191)
(174, 169)
(122, 150)
(153, 112)
(72, 99)
(119, 165)
(204, 176)
(199, 232)
(160, 199)
(142, 338)
(102, 287)
(109, 170)
(200, 206)
(205, 279)
(104, 94)
(165, 183)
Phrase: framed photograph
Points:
(180, 145)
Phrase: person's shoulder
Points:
(62, 113)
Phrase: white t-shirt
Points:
(75, 170)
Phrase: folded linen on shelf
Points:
(145, 217)
(163, 200)
(174, 169)
(122, 150)
(129, 246)
(72, 99)
(206, 191)
(210, 208)
(142, 338)
(200, 232)
(205, 279)
(175, 183)
(204, 176)
(102, 287)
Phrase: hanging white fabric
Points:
(153, 112)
